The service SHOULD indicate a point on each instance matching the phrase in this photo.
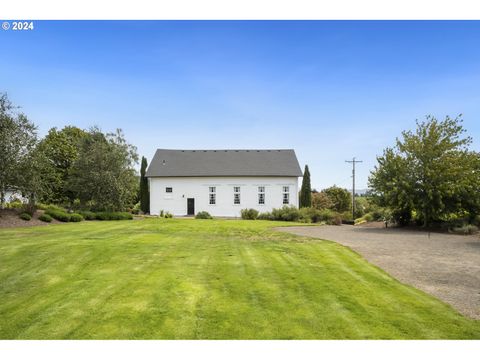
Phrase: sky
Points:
(331, 90)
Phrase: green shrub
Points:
(310, 215)
(203, 215)
(337, 220)
(465, 229)
(58, 215)
(347, 216)
(368, 217)
(136, 209)
(304, 215)
(41, 206)
(359, 221)
(162, 214)
(76, 217)
(106, 215)
(87, 215)
(249, 214)
(286, 213)
(327, 216)
(25, 216)
(378, 213)
(168, 215)
(45, 218)
(364, 219)
(15, 204)
(265, 216)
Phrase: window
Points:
(236, 195)
(261, 195)
(168, 189)
(212, 195)
(286, 195)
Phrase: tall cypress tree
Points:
(306, 190)
(144, 193)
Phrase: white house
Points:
(222, 182)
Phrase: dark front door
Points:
(190, 206)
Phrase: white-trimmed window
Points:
(261, 195)
(286, 195)
(168, 190)
(212, 195)
(236, 195)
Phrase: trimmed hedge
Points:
(87, 215)
(105, 215)
(45, 218)
(25, 216)
(58, 215)
(76, 217)
(203, 215)
(64, 216)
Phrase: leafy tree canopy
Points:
(430, 172)
(60, 149)
(341, 198)
(103, 175)
(18, 138)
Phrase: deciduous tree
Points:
(341, 198)
(103, 175)
(60, 148)
(429, 171)
(18, 137)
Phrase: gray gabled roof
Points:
(224, 163)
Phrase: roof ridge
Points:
(226, 149)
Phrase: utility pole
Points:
(353, 162)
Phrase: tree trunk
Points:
(2, 199)
(425, 218)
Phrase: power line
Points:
(353, 162)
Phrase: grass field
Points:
(203, 279)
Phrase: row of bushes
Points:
(63, 216)
(291, 213)
(44, 217)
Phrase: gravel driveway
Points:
(444, 265)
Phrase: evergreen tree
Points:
(306, 190)
(144, 193)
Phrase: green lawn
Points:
(203, 279)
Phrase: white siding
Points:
(10, 195)
(198, 188)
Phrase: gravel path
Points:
(444, 265)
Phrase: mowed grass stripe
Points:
(204, 279)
